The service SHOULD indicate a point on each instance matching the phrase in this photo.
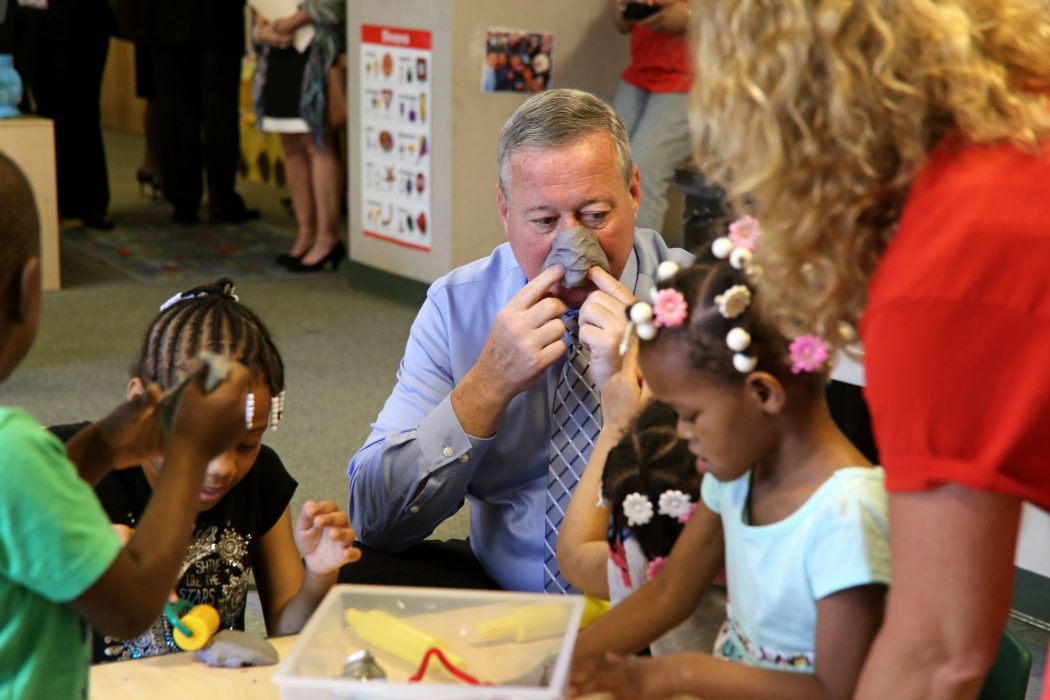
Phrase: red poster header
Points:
(395, 36)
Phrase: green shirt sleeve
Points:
(55, 538)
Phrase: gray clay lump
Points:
(577, 250)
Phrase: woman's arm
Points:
(952, 550)
(846, 624)
(288, 25)
(673, 19)
(616, 13)
(288, 591)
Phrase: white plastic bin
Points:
(535, 669)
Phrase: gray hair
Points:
(557, 117)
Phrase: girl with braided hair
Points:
(790, 508)
(244, 524)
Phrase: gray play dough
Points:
(233, 649)
(577, 250)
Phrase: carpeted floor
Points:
(169, 253)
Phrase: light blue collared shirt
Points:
(417, 434)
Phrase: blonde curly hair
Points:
(815, 115)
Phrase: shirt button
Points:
(464, 457)
(447, 452)
(413, 510)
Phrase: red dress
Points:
(957, 329)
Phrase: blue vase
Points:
(10, 87)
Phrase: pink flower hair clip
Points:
(668, 309)
(744, 232)
(808, 353)
(739, 245)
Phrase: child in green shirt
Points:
(61, 564)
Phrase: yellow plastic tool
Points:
(395, 636)
(202, 622)
(593, 608)
(527, 623)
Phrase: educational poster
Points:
(395, 135)
(517, 60)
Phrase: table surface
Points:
(179, 676)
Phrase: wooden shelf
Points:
(30, 142)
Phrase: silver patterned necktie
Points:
(577, 420)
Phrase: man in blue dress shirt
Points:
(470, 416)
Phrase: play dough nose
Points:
(577, 250)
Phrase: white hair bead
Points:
(646, 331)
(738, 340)
(744, 363)
(722, 247)
(249, 410)
(641, 312)
(666, 270)
(740, 258)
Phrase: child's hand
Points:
(625, 393)
(324, 537)
(211, 423)
(132, 432)
(630, 677)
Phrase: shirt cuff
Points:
(442, 440)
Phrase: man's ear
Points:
(635, 188)
(501, 201)
(766, 391)
(26, 292)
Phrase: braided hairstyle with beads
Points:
(210, 318)
(649, 459)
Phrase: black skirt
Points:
(284, 83)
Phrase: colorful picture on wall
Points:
(395, 134)
(517, 60)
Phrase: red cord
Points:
(461, 675)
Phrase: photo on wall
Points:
(517, 60)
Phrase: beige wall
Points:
(589, 54)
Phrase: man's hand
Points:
(673, 19)
(603, 318)
(525, 339)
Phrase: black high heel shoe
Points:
(335, 256)
(286, 260)
(150, 179)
